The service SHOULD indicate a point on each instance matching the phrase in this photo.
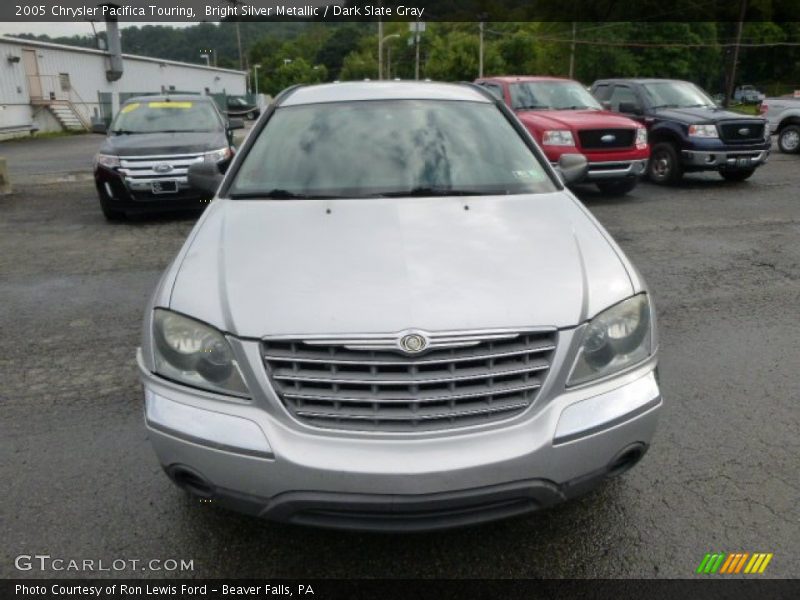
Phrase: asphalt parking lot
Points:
(81, 481)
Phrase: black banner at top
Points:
(403, 10)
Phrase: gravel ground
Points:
(723, 261)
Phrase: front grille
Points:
(172, 166)
(592, 139)
(363, 384)
(742, 131)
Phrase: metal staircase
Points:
(66, 114)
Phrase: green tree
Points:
(454, 57)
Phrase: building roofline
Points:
(27, 42)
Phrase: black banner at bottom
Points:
(322, 589)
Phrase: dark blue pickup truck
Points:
(687, 131)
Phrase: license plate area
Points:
(743, 162)
(166, 186)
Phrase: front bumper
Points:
(264, 466)
(602, 171)
(724, 159)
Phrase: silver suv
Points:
(394, 315)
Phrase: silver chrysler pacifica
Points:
(395, 316)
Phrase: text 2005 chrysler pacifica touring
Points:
(395, 316)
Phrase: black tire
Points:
(251, 115)
(665, 166)
(110, 213)
(617, 187)
(789, 139)
(739, 175)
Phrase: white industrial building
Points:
(51, 87)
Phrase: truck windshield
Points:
(389, 148)
(551, 95)
(166, 116)
(676, 94)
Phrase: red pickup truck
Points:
(564, 118)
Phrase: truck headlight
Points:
(558, 137)
(216, 156)
(703, 131)
(616, 339)
(196, 354)
(641, 138)
(107, 160)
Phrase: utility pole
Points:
(732, 78)
(572, 51)
(416, 50)
(480, 49)
(380, 49)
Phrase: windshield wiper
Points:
(124, 132)
(423, 191)
(533, 107)
(576, 107)
(280, 194)
(665, 106)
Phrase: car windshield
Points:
(166, 116)
(676, 94)
(389, 148)
(552, 95)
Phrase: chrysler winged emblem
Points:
(413, 343)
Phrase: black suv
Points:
(142, 164)
(687, 131)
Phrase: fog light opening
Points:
(711, 158)
(191, 481)
(626, 459)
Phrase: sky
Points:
(67, 29)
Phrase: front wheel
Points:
(789, 139)
(617, 187)
(739, 175)
(251, 115)
(664, 167)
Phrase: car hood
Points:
(144, 144)
(574, 119)
(702, 115)
(261, 267)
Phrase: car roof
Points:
(637, 80)
(382, 90)
(524, 78)
(170, 98)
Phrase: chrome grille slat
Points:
(401, 398)
(135, 167)
(368, 383)
(392, 379)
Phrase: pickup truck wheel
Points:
(739, 175)
(251, 115)
(664, 166)
(617, 187)
(789, 139)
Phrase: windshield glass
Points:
(676, 94)
(553, 95)
(389, 148)
(165, 116)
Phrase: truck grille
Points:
(742, 131)
(591, 139)
(172, 166)
(365, 384)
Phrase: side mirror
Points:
(205, 177)
(99, 127)
(630, 108)
(235, 124)
(572, 168)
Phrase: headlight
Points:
(107, 160)
(558, 137)
(614, 340)
(216, 156)
(191, 352)
(703, 131)
(641, 138)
